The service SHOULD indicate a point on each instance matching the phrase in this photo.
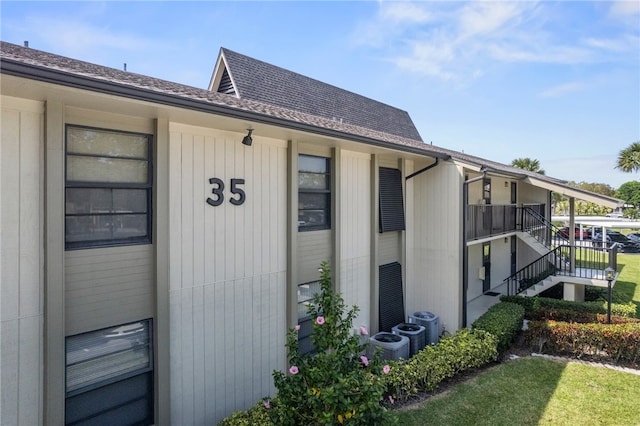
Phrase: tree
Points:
(629, 158)
(630, 193)
(529, 164)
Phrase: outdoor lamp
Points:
(247, 139)
(609, 272)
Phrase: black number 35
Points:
(218, 192)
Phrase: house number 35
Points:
(218, 192)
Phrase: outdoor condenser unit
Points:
(431, 322)
(394, 346)
(416, 333)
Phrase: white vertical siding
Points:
(437, 258)
(21, 262)
(227, 273)
(355, 245)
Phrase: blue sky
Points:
(554, 81)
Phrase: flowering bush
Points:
(338, 384)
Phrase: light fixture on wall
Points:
(247, 140)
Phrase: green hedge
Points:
(427, 369)
(611, 342)
(503, 320)
(533, 304)
(567, 315)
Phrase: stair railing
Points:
(541, 229)
(590, 264)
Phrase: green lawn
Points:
(534, 391)
(537, 391)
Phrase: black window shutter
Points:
(391, 301)
(391, 200)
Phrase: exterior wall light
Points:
(247, 140)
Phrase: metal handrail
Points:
(590, 264)
(541, 229)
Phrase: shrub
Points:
(568, 315)
(532, 304)
(464, 350)
(503, 320)
(614, 342)
(336, 385)
(255, 416)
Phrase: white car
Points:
(614, 214)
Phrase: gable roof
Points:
(263, 82)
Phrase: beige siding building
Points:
(158, 240)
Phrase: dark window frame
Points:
(326, 192)
(148, 187)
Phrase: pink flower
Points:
(363, 331)
(386, 369)
(391, 400)
(364, 360)
(266, 404)
(320, 320)
(297, 327)
(293, 370)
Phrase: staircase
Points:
(554, 265)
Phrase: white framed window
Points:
(314, 193)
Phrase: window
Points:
(108, 188)
(109, 375)
(314, 193)
(306, 292)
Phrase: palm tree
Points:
(629, 158)
(529, 164)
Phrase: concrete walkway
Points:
(591, 363)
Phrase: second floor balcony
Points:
(486, 220)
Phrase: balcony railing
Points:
(486, 220)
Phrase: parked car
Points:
(616, 215)
(564, 233)
(634, 236)
(625, 245)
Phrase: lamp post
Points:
(609, 272)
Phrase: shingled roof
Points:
(263, 82)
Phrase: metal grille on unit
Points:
(393, 346)
(431, 322)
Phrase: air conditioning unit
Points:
(416, 333)
(393, 346)
(431, 322)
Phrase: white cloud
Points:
(460, 41)
(486, 18)
(399, 13)
(562, 89)
(77, 36)
(621, 9)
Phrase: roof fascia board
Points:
(569, 191)
(490, 171)
(216, 76)
(53, 76)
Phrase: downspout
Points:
(465, 250)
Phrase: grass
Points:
(537, 391)
(534, 391)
